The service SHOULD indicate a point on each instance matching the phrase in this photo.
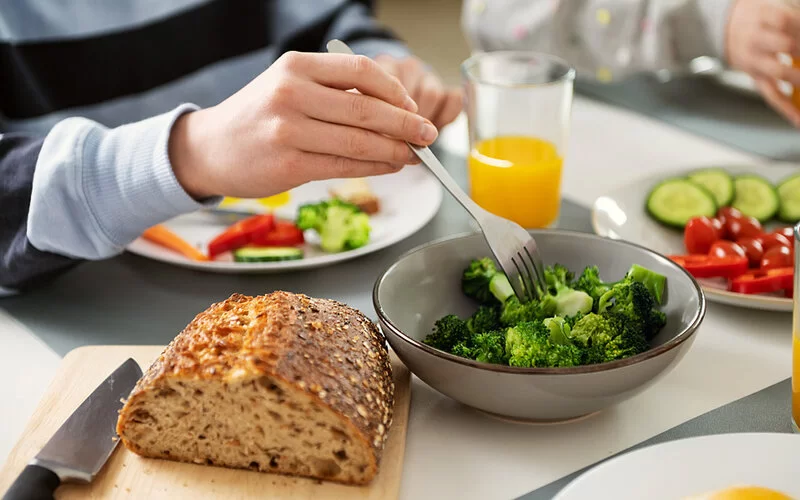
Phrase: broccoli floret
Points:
(592, 329)
(633, 301)
(448, 332)
(513, 311)
(653, 281)
(569, 302)
(489, 347)
(483, 282)
(485, 319)
(589, 281)
(340, 225)
(559, 330)
(528, 345)
(627, 340)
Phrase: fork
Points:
(513, 247)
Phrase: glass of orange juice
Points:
(518, 108)
(796, 335)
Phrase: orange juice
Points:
(517, 177)
(796, 380)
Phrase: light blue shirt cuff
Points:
(96, 189)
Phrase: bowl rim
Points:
(671, 344)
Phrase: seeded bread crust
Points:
(319, 346)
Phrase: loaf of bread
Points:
(278, 383)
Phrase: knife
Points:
(83, 443)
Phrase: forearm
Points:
(84, 193)
(604, 40)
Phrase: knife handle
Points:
(34, 483)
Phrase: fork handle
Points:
(433, 164)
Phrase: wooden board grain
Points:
(128, 476)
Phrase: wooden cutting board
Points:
(129, 476)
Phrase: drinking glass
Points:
(518, 107)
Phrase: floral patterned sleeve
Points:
(605, 40)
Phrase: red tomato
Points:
(284, 234)
(787, 231)
(725, 214)
(699, 235)
(772, 240)
(724, 248)
(746, 227)
(719, 227)
(753, 249)
(777, 257)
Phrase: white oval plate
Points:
(409, 199)
(621, 214)
(680, 469)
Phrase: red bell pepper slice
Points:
(764, 281)
(240, 234)
(707, 266)
(284, 234)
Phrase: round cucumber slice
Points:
(755, 196)
(716, 180)
(674, 201)
(267, 254)
(789, 197)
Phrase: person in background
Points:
(609, 40)
(116, 116)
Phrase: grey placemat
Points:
(767, 410)
(706, 108)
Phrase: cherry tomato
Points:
(719, 227)
(753, 249)
(746, 227)
(699, 235)
(725, 214)
(777, 257)
(787, 231)
(724, 248)
(772, 240)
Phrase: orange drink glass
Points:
(518, 108)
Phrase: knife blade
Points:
(81, 446)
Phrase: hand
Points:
(436, 103)
(758, 30)
(296, 123)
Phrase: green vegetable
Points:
(340, 225)
(267, 254)
(577, 321)
(484, 283)
(756, 197)
(718, 182)
(789, 195)
(674, 201)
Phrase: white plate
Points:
(409, 200)
(621, 214)
(691, 467)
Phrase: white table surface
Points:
(453, 452)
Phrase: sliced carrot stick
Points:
(160, 235)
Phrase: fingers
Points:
(781, 19)
(350, 142)
(367, 112)
(429, 96)
(775, 42)
(454, 101)
(346, 72)
(780, 102)
(768, 65)
(323, 166)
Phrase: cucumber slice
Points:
(716, 180)
(674, 201)
(755, 196)
(789, 196)
(267, 254)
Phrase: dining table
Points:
(735, 377)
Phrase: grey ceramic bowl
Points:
(425, 284)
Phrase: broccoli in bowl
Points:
(577, 321)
